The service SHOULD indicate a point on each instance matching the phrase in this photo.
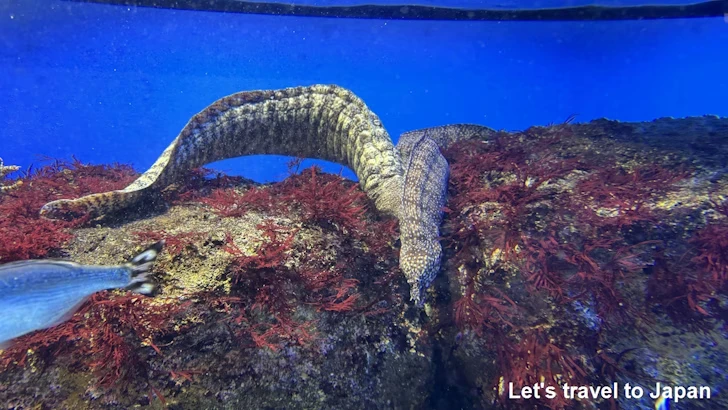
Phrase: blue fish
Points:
(662, 403)
(38, 294)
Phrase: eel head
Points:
(420, 265)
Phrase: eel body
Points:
(320, 121)
(324, 122)
(424, 195)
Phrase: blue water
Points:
(107, 83)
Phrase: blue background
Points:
(109, 83)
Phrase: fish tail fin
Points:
(140, 265)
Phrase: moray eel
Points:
(320, 121)
(425, 191)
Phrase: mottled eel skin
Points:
(321, 121)
(425, 191)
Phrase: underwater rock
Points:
(578, 255)
(265, 308)
(572, 254)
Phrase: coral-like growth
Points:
(270, 255)
(285, 331)
(342, 297)
(7, 169)
(602, 267)
(592, 270)
(692, 289)
(29, 237)
(511, 184)
(323, 200)
(72, 179)
(512, 201)
(267, 295)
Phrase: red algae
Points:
(484, 310)
(567, 228)
(690, 290)
(103, 336)
(530, 215)
(198, 183)
(324, 199)
(320, 199)
(175, 244)
(711, 247)
(622, 195)
(23, 233)
(228, 203)
(268, 295)
(97, 335)
(535, 360)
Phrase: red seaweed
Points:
(537, 359)
(23, 233)
(103, 335)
